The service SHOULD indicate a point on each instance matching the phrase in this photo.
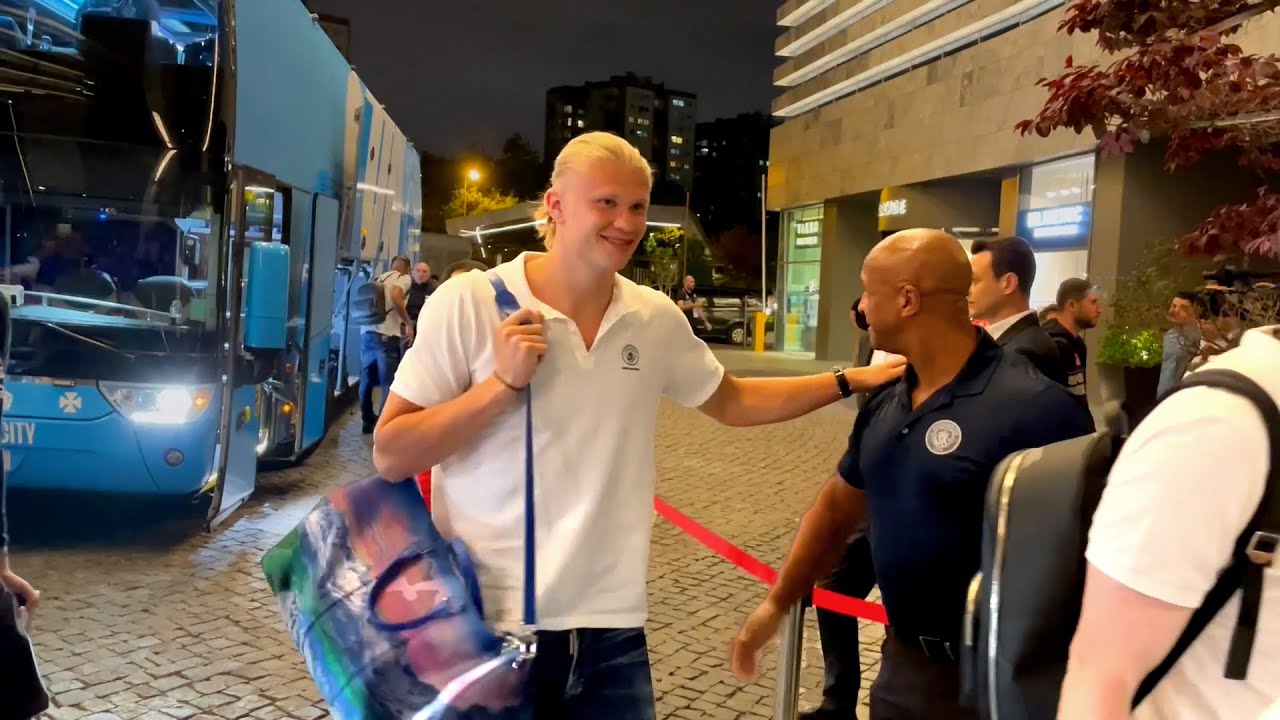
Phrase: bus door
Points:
(323, 261)
(254, 198)
(296, 398)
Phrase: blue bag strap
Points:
(507, 305)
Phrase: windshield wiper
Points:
(86, 339)
(18, 146)
(151, 316)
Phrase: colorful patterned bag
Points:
(388, 614)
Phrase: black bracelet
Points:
(502, 380)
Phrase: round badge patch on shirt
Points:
(943, 437)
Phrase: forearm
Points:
(412, 442)
(819, 544)
(761, 401)
(1091, 692)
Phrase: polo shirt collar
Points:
(972, 379)
(626, 299)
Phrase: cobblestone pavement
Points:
(190, 630)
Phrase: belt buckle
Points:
(941, 648)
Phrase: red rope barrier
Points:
(825, 599)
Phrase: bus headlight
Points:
(151, 404)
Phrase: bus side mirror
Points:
(266, 305)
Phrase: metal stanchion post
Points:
(791, 643)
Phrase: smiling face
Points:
(600, 209)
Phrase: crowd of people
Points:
(967, 373)
(961, 373)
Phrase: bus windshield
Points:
(112, 185)
(95, 281)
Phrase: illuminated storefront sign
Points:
(1057, 228)
(807, 233)
(893, 208)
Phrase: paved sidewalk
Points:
(189, 630)
(749, 363)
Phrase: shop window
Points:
(1055, 214)
(797, 326)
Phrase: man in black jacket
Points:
(1078, 310)
(1003, 271)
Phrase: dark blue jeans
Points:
(379, 359)
(592, 674)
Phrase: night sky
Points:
(458, 74)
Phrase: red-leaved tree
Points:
(1177, 78)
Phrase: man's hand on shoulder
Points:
(871, 377)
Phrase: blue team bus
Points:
(190, 193)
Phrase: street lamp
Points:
(474, 176)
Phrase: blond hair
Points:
(581, 150)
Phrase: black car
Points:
(731, 313)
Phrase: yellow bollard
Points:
(759, 332)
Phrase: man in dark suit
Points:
(1003, 271)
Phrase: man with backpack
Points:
(1193, 486)
(385, 322)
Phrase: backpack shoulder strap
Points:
(1255, 549)
(507, 305)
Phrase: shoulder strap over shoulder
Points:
(507, 305)
(1255, 549)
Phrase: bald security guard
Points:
(919, 459)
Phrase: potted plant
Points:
(1139, 316)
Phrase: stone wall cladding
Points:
(950, 117)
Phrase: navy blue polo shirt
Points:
(925, 474)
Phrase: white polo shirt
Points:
(1167, 523)
(594, 421)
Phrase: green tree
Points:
(472, 200)
(737, 251)
(1177, 79)
(664, 248)
(661, 247)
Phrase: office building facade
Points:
(659, 121)
(901, 114)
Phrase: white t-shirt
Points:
(1186, 483)
(391, 326)
(594, 423)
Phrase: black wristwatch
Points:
(842, 382)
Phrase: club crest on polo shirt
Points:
(943, 437)
(630, 357)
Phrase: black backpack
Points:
(369, 303)
(1024, 604)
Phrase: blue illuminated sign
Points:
(1065, 227)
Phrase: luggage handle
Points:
(448, 606)
(507, 305)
